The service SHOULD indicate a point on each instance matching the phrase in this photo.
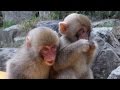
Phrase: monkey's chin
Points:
(50, 63)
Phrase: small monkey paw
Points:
(92, 44)
(85, 45)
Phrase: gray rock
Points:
(5, 55)
(115, 74)
(116, 32)
(13, 27)
(107, 58)
(14, 36)
(107, 23)
(8, 34)
(53, 24)
(106, 61)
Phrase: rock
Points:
(8, 34)
(13, 27)
(115, 74)
(14, 36)
(18, 41)
(5, 55)
(53, 24)
(106, 61)
(107, 23)
(116, 32)
(107, 58)
(107, 35)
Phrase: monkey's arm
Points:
(92, 52)
(68, 55)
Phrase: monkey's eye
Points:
(54, 48)
(82, 30)
(45, 49)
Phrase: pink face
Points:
(49, 54)
(83, 33)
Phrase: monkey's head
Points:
(75, 26)
(44, 42)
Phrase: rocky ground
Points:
(107, 61)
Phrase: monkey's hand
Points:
(84, 45)
(92, 52)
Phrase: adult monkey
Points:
(75, 53)
(36, 56)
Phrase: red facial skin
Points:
(49, 54)
(83, 34)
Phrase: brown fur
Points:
(74, 56)
(28, 63)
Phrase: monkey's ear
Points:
(63, 27)
(28, 42)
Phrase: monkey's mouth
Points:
(49, 62)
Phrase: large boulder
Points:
(106, 23)
(107, 58)
(53, 24)
(116, 32)
(115, 74)
(15, 35)
(8, 34)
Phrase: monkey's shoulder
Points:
(64, 42)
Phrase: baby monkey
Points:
(76, 52)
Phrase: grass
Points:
(7, 24)
(29, 24)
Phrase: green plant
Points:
(7, 24)
(29, 24)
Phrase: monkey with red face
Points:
(35, 58)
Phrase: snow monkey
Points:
(76, 52)
(36, 56)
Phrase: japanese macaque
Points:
(76, 53)
(36, 56)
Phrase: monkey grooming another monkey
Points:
(36, 56)
(76, 53)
